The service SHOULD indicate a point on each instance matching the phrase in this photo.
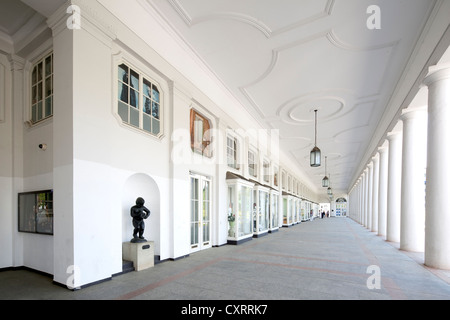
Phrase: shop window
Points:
(139, 101)
(200, 134)
(42, 89)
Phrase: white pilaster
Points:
(437, 235)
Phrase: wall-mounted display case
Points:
(288, 210)
(273, 214)
(36, 212)
(261, 211)
(306, 209)
(240, 203)
(296, 218)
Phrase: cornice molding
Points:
(93, 20)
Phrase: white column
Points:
(382, 190)
(366, 198)
(394, 187)
(369, 196)
(375, 181)
(359, 200)
(437, 230)
(412, 222)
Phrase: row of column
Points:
(403, 192)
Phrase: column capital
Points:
(437, 73)
(376, 157)
(383, 149)
(394, 135)
(413, 113)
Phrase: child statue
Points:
(139, 213)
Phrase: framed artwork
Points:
(36, 212)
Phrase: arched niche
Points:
(141, 185)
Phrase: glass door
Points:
(200, 213)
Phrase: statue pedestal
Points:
(142, 254)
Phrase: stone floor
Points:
(324, 259)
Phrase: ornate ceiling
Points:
(283, 59)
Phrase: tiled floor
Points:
(326, 259)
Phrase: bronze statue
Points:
(139, 213)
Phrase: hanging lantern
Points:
(315, 155)
(325, 180)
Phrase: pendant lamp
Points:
(330, 191)
(325, 181)
(315, 155)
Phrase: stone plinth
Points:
(142, 254)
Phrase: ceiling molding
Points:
(250, 20)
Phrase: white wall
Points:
(98, 166)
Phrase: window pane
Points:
(39, 72)
(147, 125)
(123, 92)
(34, 76)
(193, 234)
(34, 95)
(48, 87)
(39, 113)
(147, 106)
(155, 127)
(39, 92)
(147, 88)
(205, 232)
(155, 94)
(44, 214)
(205, 215)
(155, 110)
(194, 189)
(123, 111)
(134, 80)
(34, 113)
(196, 211)
(48, 66)
(27, 217)
(123, 73)
(134, 117)
(48, 107)
(134, 98)
(205, 190)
